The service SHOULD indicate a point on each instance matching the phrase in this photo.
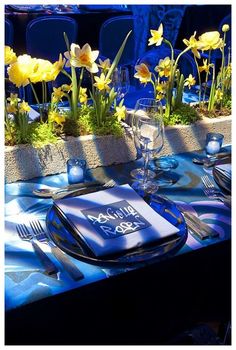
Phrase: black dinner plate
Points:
(222, 181)
(59, 232)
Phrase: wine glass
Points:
(120, 81)
(148, 136)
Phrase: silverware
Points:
(214, 193)
(197, 226)
(85, 190)
(49, 192)
(210, 161)
(70, 267)
(25, 235)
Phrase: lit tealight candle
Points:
(213, 147)
(75, 170)
(214, 142)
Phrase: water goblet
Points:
(148, 136)
(121, 81)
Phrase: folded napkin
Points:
(222, 176)
(113, 220)
(224, 169)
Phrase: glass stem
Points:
(146, 161)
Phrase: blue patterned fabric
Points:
(25, 279)
(148, 17)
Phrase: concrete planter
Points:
(24, 162)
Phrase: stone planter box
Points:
(24, 162)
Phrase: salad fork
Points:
(69, 266)
(25, 235)
(212, 192)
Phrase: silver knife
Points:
(200, 228)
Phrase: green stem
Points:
(80, 81)
(171, 47)
(199, 81)
(222, 75)
(66, 74)
(171, 83)
(92, 82)
(43, 95)
(74, 93)
(207, 74)
(212, 93)
(154, 87)
(37, 100)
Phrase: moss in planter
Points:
(183, 114)
(41, 134)
(87, 124)
(38, 135)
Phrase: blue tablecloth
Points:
(25, 280)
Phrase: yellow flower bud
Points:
(225, 28)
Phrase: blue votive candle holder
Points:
(213, 143)
(76, 169)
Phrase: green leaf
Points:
(67, 41)
(118, 56)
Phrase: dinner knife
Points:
(200, 228)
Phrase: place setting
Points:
(118, 169)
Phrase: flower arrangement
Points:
(94, 111)
(168, 82)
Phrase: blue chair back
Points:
(186, 62)
(111, 35)
(9, 32)
(45, 39)
(171, 21)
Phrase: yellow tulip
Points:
(84, 57)
(210, 41)
(24, 107)
(190, 81)
(225, 28)
(194, 44)
(143, 73)
(57, 67)
(157, 36)
(164, 67)
(10, 56)
(102, 83)
(43, 70)
(20, 71)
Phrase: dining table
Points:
(138, 303)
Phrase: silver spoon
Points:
(49, 192)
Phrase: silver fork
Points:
(41, 235)
(212, 192)
(77, 192)
(25, 235)
(210, 189)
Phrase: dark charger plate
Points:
(60, 233)
(222, 181)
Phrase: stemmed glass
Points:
(120, 81)
(148, 131)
